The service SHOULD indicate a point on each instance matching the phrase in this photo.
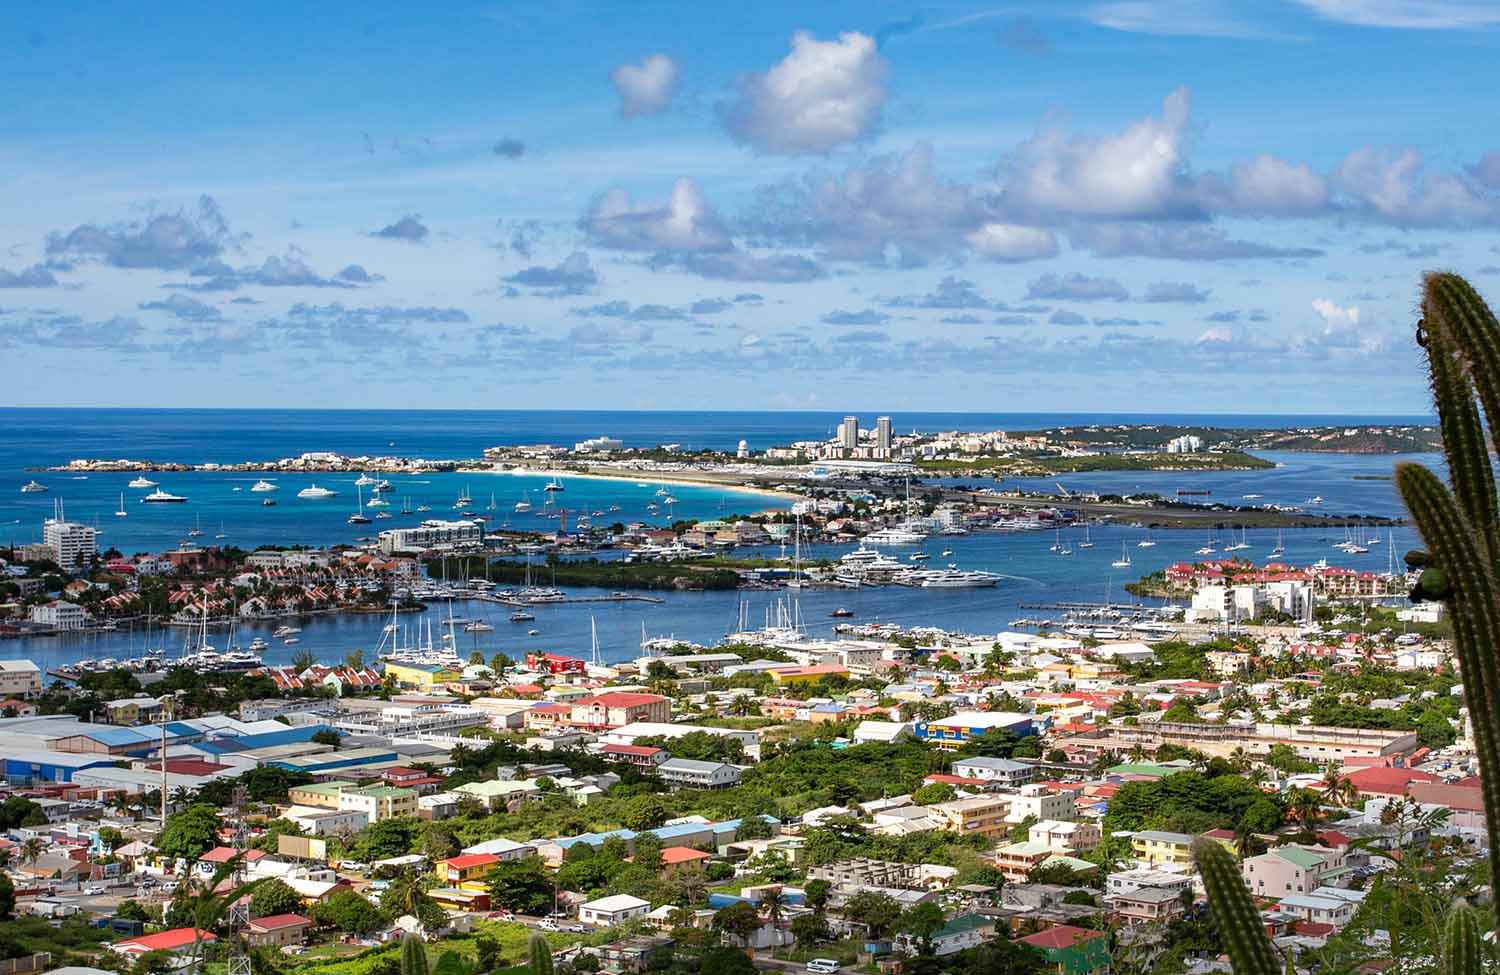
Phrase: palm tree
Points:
(1307, 809)
(1239, 760)
(774, 905)
(31, 850)
(303, 660)
(1338, 790)
(207, 905)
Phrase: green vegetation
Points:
(617, 574)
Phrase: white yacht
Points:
(162, 497)
(141, 481)
(364, 480)
(1123, 562)
(282, 632)
(382, 487)
(313, 491)
(263, 486)
(952, 578)
(899, 535)
(523, 505)
(33, 487)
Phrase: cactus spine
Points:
(413, 955)
(1234, 913)
(1461, 527)
(538, 955)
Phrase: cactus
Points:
(1462, 947)
(1461, 527)
(1235, 915)
(538, 955)
(413, 955)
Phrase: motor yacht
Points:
(314, 492)
(263, 486)
(141, 481)
(162, 497)
(33, 487)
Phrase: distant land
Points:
(1370, 439)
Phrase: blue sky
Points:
(1133, 205)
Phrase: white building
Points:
(598, 445)
(1001, 771)
(1034, 801)
(432, 534)
(687, 773)
(1185, 444)
(72, 544)
(610, 911)
(60, 615)
(883, 433)
(20, 678)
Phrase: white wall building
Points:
(20, 678)
(60, 615)
(72, 544)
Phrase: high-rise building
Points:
(883, 433)
(72, 544)
(849, 433)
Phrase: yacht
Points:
(377, 503)
(522, 616)
(282, 632)
(553, 485)
(258, 644)
(898, 535)
(841, 613)
(263, 486)
(33, 487)
(1123, 562)
(141, 481)
(162, 497)
(523, 505)
(478, 627)
(315, 492)
(359, 517)
(953, 578)
(464, 500)
(381, 487)
(364, 480)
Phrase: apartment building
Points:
(1292, 869)
(1312, 742)
(617, 709)
(1001, 771)
(689, 774)
(1037, 802)
(1065, 837)
(20, 678)
(1156, 848)
(984, 816)
(380, 802)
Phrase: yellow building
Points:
(1158, 848)
(972, 817)
(421, 676)
(322, 795)
(809, 675)
(380, 802)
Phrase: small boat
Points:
(290, 641)
(262, 487)
(841, 613)
(141, 481)
(33, 487)
(521, 616)
(364, 480)
(381, 487)
(523, 505)
(162, 497)
(945, 553)
(532, 632)
(197, 528)
(424, 507)
(478, 627)
(120, 513)
(315, 492)
(221, 533)
(269, 502)
(282, 632)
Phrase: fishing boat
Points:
(141, 481)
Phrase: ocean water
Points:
(1033, 574)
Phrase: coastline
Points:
(645, 477)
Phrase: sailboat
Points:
(1123, 562)
(406, 506)
(1057, 542)
(1086, 543)
(197, 527)
(491, 505)
(523, 505)
(120, 513)
(1280, 549)
(222, 533)
(359, 517)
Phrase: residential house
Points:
(1146, 905)
(177, 941)
(1001, 771)
(380, 802)
(610, 911)
(691, 774)
(468, 868)
(1155, 848)
(963, 931)
(983, 816)
(277, 931)
(1292, 869)
(1072, 951)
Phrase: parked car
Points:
(547, 924)
(576, 928)
(93, 889)
(823, 966)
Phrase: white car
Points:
(94, 889)
(823, 966)
(547, 924)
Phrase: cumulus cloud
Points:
(1009, 242)
(867, 316)
(509, 148)
(166, 241)
(739, 265)
(1393, 186)
(574, 275)
(951, 292)
(1064, 317)
(184, 308)
(684, 223)
(274, 272)
(1336, 318)
(1075, 287)
(639, 313)
(1265, 186)
(1182, 242)
(36, 276)
(861, 337)
(524, 236)
(822, 95)
(1176, 291)
(609, 333)
(646, 88)
(709, 306)
(409, 228)
(964, 319)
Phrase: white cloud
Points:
(822, 95)
(1137, 172)
(684, 224)
(1336, 318)
(646, 88)
(1409, 14)
(1266, 185)
(1010, 242)
(1390, 185)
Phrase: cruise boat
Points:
(141, 481)
(162, 497)
(314, 492)
(263, 486)
(33, 487)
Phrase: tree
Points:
(538, 955)
(190, 832)
(726, 961)
(923, 921)
(206, 903)
(809, 929)
(327, 736)
(486, 953)
(994, 743)
(275, 897)
(7, 898)
(877, 912)
(439, 843)
(133, 911)
(643, 812)
(816, 893)
(739, 920)
(349, 912)
(15, 810)
(303, 660)
(413, 955)
(521, 886)
(933, 792)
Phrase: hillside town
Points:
(1022, 799)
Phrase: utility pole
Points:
(237, 960)
(167, 707)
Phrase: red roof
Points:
(1315, 929)
(621, 699)
(1333, 839)
(1061, 936)
(946, 779)
(189, 766)
(681, 854)
(276, 921)
(164, 940)
(645, 751)
(1387, 781)
(471, 860)
(221, 854)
